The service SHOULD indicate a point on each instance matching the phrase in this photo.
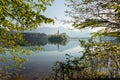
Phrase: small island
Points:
(58, 38)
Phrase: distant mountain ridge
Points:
(69, 32)
(35, 38)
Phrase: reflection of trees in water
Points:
(100, 60)
(12, 62)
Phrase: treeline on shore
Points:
(43, 39)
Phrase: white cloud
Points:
(97, 29)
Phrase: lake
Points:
(39, 63)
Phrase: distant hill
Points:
(70, 32)
(35, 38)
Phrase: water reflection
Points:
(12, 63)
(19, 64)
(100, 60)
(88, 60)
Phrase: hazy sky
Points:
(57, 10)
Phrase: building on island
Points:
(57, 34)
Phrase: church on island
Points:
(57, 34)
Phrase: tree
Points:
(95, 13)
(19, 15)
(100, 59)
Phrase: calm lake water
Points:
(40, 63)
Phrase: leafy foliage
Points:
(94, 13)
(23, 14)
(20, 15)
(100, 60)
(17, 16)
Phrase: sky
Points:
(58, 10)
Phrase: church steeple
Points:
(57, 33)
